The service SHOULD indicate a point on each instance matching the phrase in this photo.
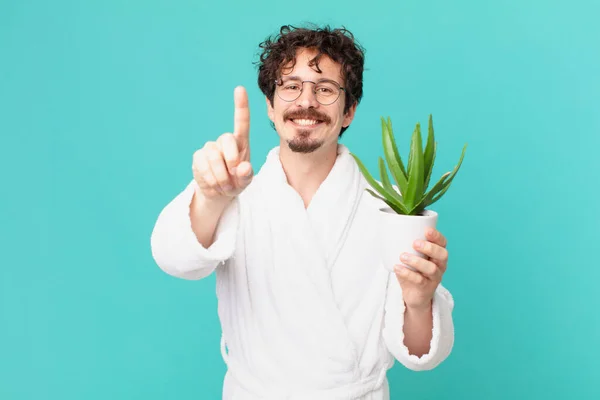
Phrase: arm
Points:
(197, 230)
(418, 328)
(180, 228)
(398, 320)
(205, 215)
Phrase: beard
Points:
(302, 143)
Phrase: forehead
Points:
(303, 68)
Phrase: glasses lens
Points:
(327, 92)
(290, 90)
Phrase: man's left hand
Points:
(418, 287)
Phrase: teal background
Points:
(102, 104)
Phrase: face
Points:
(304, 124)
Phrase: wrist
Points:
(216, 204)
(419, 309)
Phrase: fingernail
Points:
(405, 257)
(418, 244)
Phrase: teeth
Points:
(305, 121)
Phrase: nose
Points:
(308, 98)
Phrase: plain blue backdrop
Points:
(102, 104)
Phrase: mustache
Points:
(309, 113)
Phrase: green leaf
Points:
(426, 200)
(430, 172)
(389, 196)
(410, 158)
(429, 155)
(399, 208)
(385, 181)
(392, 156)
(395, 147)
(450, 178)
(416, 210)
(414, 191)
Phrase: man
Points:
(306, 308)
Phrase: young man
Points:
(306, 308)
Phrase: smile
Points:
(306, 123)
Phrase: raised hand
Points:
(222, 168)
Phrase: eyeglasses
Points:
(326, 91)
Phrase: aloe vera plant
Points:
(412, 196)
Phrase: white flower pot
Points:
(397, 233)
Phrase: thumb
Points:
(244, 173)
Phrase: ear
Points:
(270, 111)
(349, 116)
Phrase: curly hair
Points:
(338, 44)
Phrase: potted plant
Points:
(404, 213)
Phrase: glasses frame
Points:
(279, 82)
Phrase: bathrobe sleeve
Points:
(175, 248)
(443, 328)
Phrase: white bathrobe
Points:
(306, 307)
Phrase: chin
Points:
(302, 143)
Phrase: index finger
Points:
(241, 118)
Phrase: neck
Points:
(306, 172)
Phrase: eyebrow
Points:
(297, 78)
